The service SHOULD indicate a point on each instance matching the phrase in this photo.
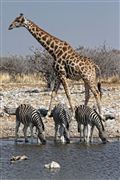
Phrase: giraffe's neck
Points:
(49, 42)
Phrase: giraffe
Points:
(68, 64)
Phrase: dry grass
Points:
(113, 79)
(5, 78)
(38, 79)
(31, 78)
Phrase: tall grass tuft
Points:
(23, 78)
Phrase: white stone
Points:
(23, 157)
(52, 165)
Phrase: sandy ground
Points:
(12, 95)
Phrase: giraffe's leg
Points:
(54, 93)
(87, 94)
(65, 85)
(97, 97)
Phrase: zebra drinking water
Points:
(29, 116)
(89, 118)
(62, 117)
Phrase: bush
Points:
(42, 63)
(107, 59)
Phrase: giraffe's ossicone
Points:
(67, 62)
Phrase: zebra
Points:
(29, 116)
(62, 116)
(89, 118)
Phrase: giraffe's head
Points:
(18, 22)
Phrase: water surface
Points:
(78, 161)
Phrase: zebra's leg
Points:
(31, 131)
(88, 133)
(80, 130)
(16, 130)
(36, 132)
(56, 132)
(25, 132)
(54, 93)
(66, 135)
(91, 134)
(85, 133)
(61, 131)
(87, 94)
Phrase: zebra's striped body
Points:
(62, 117)
(29, 116)
(89, 118)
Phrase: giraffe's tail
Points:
(99, 88)
(99, 82)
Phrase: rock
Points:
(109, 117)
(1, 114)
(10, 111)
(32, 91)
(15, 158)
(23, 157)
(52, 165)
(18, 158)
(43, 112)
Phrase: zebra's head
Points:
(41, 136)
(102, 136)
(41, 129)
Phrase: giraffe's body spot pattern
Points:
(74, 66)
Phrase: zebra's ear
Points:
(94, 108)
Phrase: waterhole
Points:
(78, 161)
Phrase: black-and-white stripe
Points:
(30, 117)
(89, 118)
(62, 117)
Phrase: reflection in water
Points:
(78, 161)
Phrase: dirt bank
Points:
(39, 97)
